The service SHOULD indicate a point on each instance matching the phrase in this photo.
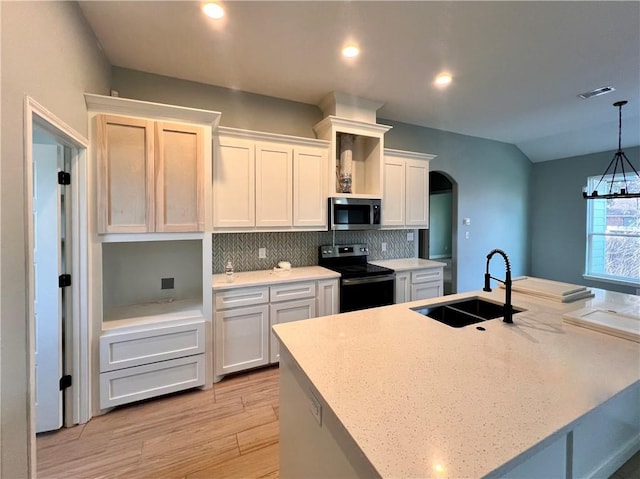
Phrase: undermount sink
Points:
(464, 312)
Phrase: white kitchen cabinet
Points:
(417, 284)
(150, 176)
(241, 329)
(406, 189)
(234, 183)
(427, 283)
(403, 287)
(242, 338)
(309, 187)
(150, 323)
(268, 182)
(286, 312)
(150, 380)
(141, 360)
(244, 316)
(328, 297)
(274, 180)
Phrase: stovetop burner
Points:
(350, 261)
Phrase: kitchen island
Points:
(387, 392)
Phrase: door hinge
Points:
(65, 382)
(64, 178)
(64, 280)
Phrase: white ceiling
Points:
(517, 66)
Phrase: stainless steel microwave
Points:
(354, 213)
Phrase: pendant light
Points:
(618, 163)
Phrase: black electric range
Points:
(362, 285)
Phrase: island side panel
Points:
(309, 447)
(608, 436)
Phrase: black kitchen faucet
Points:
(508, 310)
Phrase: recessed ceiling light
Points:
(443, 80)
(350, 51)
(213, 10)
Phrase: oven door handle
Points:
(369, 279)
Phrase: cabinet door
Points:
(403, 290)
(393, 204)
(309, 197)
(287, 312)
(431, 289)
(125, 175)
(179, 177)
(274, 185)
(417, 193)
(234, 183)
(242, 339)
(328, 297)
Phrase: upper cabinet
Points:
(406, 189)
(267, 182)
(150, 176)
(152, 160)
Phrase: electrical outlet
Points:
(410, 236)
(316, 408)
(384, 246)
(262, 253)
(167, 283)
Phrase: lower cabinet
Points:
(145, 361)
(419, 284)
(287, 312)
(243, 318)
(242, 339)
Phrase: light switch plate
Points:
(383, 246)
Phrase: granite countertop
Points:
(269, 276)
(407, 264)
(414, 393)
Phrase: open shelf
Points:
(149, 313)
(133, 276)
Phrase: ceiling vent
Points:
(597, 92)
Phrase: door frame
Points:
(35, 113)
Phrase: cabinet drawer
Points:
(241, 297)
(285, 292)
(125, 350)
(143, 382)
(424, 275)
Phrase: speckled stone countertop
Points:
(422, 399)
(268, 277)
(406, 264)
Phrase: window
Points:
(613, 234)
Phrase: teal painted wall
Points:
(492, 177)
(559, 217)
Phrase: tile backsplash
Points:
(301, 248)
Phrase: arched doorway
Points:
(438, 243)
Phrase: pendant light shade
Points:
(619, 174)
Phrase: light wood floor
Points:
(230, 431)
(225, 432)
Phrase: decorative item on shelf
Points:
(618, 163)
(346, 158)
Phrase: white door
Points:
(48, 295)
